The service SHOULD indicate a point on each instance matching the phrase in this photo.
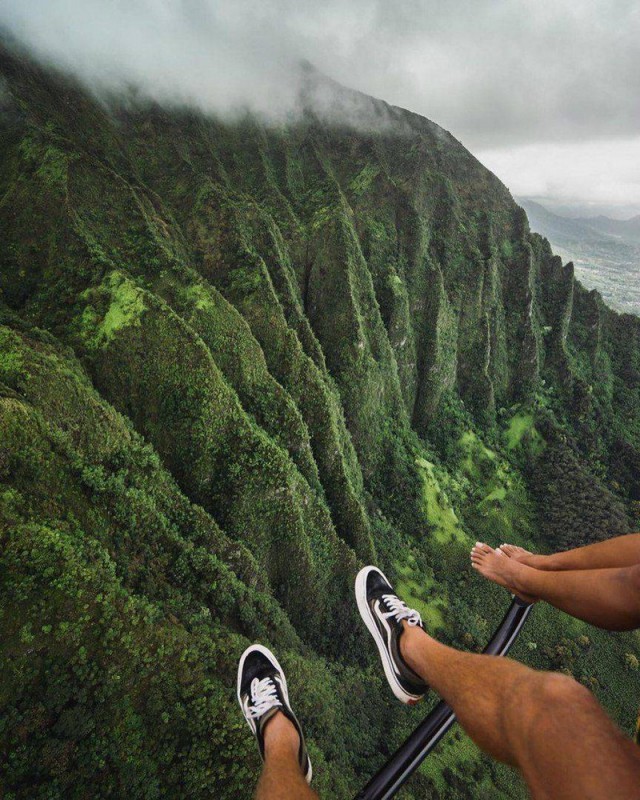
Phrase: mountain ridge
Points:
(600, 224)
(629, 228)
(240, 360)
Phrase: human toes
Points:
(480, 551)
(515, 552)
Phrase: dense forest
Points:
(237, 362)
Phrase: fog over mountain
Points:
(501, 76)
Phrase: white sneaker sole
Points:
(385, 657)
(268, 654)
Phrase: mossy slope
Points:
(236, 363)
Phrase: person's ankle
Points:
(534, 560)
(519, 573)
(411, 645)
(548, 563)
(280, 734)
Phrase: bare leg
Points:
(621, 551)
(546, 724)
(281, 777)
(607, 598)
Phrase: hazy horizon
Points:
(579, 210)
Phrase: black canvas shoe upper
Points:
(386, 612)
(262, 692)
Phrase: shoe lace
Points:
(263, 697)
(400, 610)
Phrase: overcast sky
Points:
(547, 94)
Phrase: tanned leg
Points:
(621, 551)
(607, 598)
(546, 724)
(281, 777)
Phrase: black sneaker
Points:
(383, 612)
(262, 692)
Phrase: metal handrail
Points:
(406, 760)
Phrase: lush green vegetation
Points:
(238, 362)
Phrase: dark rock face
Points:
(226, 351)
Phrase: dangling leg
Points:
(546, 724)
(607, 598)
(264, 700)
(281, 777)
(621, 551)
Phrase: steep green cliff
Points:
(239, 361)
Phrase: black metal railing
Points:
(403, 763)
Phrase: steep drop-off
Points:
(237, 362)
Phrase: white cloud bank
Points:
(502, 75)
(603, 173)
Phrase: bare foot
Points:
(513, 551)
(499, 568)
(525, 556)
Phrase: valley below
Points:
(239, 361)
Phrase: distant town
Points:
(605, 251)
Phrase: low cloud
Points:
(498, 74)
(604, 173)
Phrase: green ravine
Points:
(238, 362)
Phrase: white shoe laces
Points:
(400, 610)
(263, 697)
